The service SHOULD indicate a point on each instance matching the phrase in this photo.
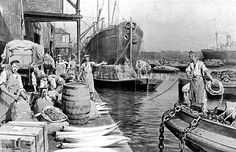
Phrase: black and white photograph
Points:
(117, 75)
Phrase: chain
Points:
(193, 125)
(166, 117)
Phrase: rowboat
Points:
(165, 69)
(129, 84)
(198, 132)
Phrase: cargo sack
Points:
(53, 114)
(93, 114)
(21, 111)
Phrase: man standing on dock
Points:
(86, 73)
(196, 71)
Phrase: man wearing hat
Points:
(36, 77)
(60, 66)
(86, 72)
(11, 90)
(72, 67)
(196, 71)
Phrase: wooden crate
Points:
(35, 132)
(42, 125)
(17, 143)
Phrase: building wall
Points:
(52, 6)
(10, 21)
(41, 33)
(47, 35)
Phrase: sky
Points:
(167, 24)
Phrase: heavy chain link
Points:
(193, 125)
(166, 117)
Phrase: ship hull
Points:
(112, 44)
(224, 55)
(209, 136)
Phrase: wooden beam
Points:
(49, 17)
(78, 32)
(72, 4)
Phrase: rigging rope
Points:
(165, 90)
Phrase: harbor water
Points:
(140, 113)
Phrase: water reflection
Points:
(141, 117)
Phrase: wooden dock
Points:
(103, 120)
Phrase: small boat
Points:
(199, 132)
(123, 77)
(213, 63)
(165, 69)
(229, 90)
(129, 84)
(180, 66)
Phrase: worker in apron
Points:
(196, 72)
(86, 73)
(11, 90)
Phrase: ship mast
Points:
(216, 33)
(217, 40)
(131, 42)
(113, 13)
(108, 12)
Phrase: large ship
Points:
(114, 43)
(225, 52)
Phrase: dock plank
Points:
(103, 120)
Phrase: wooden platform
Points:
(103, 120)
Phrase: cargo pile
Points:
(114, 72)
(27, 52)
(225, 76)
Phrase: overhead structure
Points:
(52, 11)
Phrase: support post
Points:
(78, 31)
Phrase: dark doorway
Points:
(36, 38)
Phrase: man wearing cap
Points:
(36, 77)
(11, 88)
(86, 73)
(195, 71)
(72, 67)
(60, 66)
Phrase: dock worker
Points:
(48, 63)
(139, 68)
(86, 73)
(11, 89)
(126, 62)
(60, 66)
(196, 71)
(72, 67)
(36, 77)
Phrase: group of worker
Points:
(142, 67)
(11, 84)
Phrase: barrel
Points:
(76, 102)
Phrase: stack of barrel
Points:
(76, 102)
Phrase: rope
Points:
(209, 89)
(165, 90)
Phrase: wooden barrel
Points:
(76, 102)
